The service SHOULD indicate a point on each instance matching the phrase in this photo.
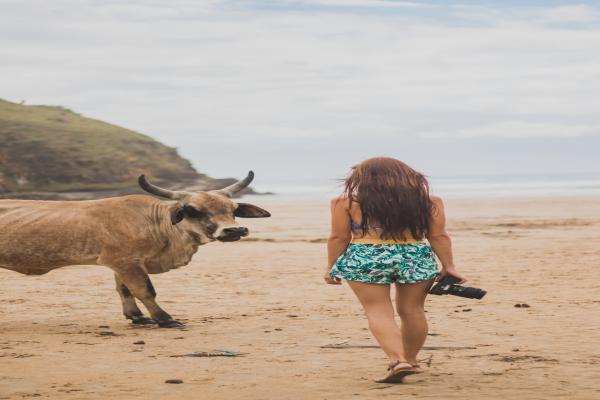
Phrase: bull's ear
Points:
(246, 210)
(177, 215)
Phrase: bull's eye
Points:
(192, 212)
(201, 217)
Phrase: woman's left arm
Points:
(340, 235)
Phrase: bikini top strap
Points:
(354, 225)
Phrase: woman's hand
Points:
(452, 272)
(331, 281)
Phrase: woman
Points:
(377, 231)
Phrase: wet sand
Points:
(63, 336)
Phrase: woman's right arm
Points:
(440, 240)
(340, 236)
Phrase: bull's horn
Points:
(157, 191)
(236, 187)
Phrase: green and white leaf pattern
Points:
(386, 263)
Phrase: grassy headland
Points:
(53, 149)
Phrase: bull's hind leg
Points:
(130, 308)
(138, 283)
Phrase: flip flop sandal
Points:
(396, 375)
(418, 368)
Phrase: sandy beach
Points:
(63, 336)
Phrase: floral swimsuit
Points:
(386, 263)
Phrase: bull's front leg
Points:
(130, 308)
(139, 284)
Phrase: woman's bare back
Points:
(374, 232)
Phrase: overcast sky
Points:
(307, 88)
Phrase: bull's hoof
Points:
(171, 324)
(141, 320)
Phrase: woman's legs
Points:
(377, 304)
(410, 305)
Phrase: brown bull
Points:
(133, 235)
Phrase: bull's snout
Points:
(232, 234)
(238, 230)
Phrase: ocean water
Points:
(475, 186)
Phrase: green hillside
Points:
(53, 149)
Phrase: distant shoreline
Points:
(462, 187)
(204, 185)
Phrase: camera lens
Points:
(474, 293)
(468, 292)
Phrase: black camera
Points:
(447, 285)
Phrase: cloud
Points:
(576, 16)
(580, 13)
(242, 78)
(520, 129)
(362, 3)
